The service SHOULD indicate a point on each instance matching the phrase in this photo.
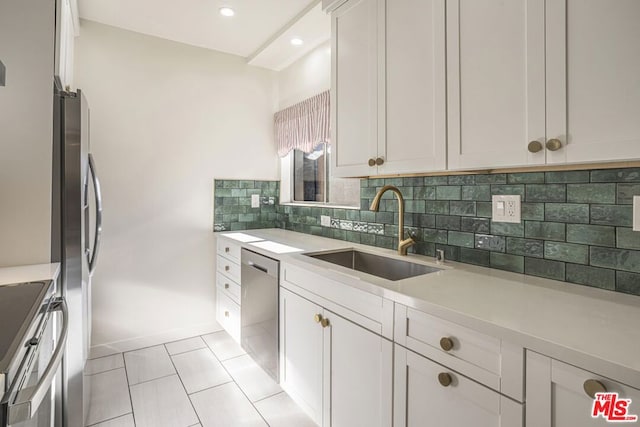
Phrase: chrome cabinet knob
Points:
(379, 161)
(226, 286)
(226, 268)
(554, 144)
(534, 146)
(591, 387)
(226, 314)
(445, 379)
(446, 343)
(372, 162)
(226, 250)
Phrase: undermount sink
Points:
(377, 265)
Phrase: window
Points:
(302, 138)
(311, 174)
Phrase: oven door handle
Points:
(28, 400)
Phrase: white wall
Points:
(166, 118)
(306, 77)
(26, 127)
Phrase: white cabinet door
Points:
(421, 401)
(301, 353)
(495, 81)
(593, 79)
(354, 86)
(415, 84)
(556, 394)
(359, 368)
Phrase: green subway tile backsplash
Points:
(576, 225)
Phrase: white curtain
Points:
(304, 125)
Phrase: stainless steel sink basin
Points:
(380, 266)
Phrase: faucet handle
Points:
(439, 256)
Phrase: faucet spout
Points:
(403, 244)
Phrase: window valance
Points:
(303, 125)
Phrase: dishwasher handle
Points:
(259, 262)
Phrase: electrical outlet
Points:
(636, 213)
(505, 209)
(325, 220)
(255, 200)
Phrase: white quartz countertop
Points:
(29, 273)
(591, 328)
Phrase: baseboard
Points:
(151, 340)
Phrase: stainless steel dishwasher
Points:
(259, 310)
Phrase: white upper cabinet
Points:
(389, 87)
(495, 70)
(415, 104)
(355, 87)
(593, 79)
(66, 23)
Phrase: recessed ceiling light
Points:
(227, 11)
(297, 41)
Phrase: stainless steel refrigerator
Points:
(76, 230)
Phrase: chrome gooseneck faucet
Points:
(403, 244)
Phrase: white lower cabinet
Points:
(340, 373)
(557, 394)
(429, 394)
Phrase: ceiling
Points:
(260, 30)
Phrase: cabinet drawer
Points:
(228, 286)
(229, 249)
(482, 357)
(426, 390)
(229, 268)
(228, 314)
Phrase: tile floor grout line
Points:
(105, 371)
(242, 391)
(153, 379)
(213, 386)
(111, 419)
(185, 388)
(186, 351)
(154, 345)
(126, 374)
(270, 396)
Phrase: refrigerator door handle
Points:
(28, 400)
(98, 235)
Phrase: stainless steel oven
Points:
(33, 332)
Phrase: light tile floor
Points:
(205, 381)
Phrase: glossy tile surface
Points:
(148, 364)
(162, 403)
(222, 345)
(199, 370)
(103, 364)
(253, 381)
(109, 396)
(281, 411)
(183, 346)
(226, 406)
(123, 421)
(191, 387)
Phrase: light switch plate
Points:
(255, 200)
(505, 209)
(636, 213)
(325, 220)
